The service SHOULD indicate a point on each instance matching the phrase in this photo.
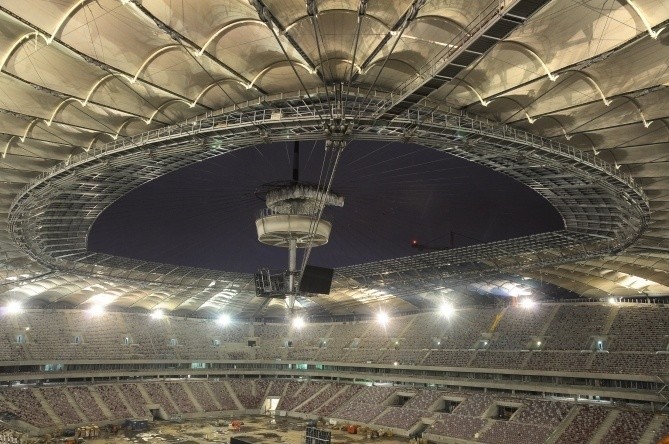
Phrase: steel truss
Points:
(603, 210)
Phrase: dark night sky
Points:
(203, 215)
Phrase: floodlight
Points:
(157, 314)
(446, 309)
(612, 300)
(96, 310)
(14, 307)
(223, 319)
(298, 322)
(527, 303)
(382, 317)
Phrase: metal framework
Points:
(603, 210)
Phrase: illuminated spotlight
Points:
(612, 300)
(396, 363)
(527, 303)
(223, 319)
(382, 317)
(539, 343)
(446, 309)
(14, 307)
(96, 310)
(157, 314)
(298, 322)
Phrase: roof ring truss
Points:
(541, 163)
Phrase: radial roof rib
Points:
(658, 276)
(266, 15)
(492, 24)
(111, 105)
(290, 54)
(96, 68)
(524, 58)
(196, 51)
(574, 88)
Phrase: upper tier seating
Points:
(642, 328)
(481, 338)
(573, 326)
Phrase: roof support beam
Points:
(428, 73)
(196, 50)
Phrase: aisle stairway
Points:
(604, 427)
(47, 407)
(563, 425)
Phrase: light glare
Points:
(223, 319)
(96, 310)
(612, 300)
(14, 307)
(446, 309)
(157, 314)
(382, 317)
(298, 322)
(527, 303)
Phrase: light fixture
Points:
(96, 310)
(157, 314)
(382, 317)
(612, 300)
(223, 319)
(446, 309)
(298, 322)
(14, 307)
(527, 303)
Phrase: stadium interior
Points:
(444, 219)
